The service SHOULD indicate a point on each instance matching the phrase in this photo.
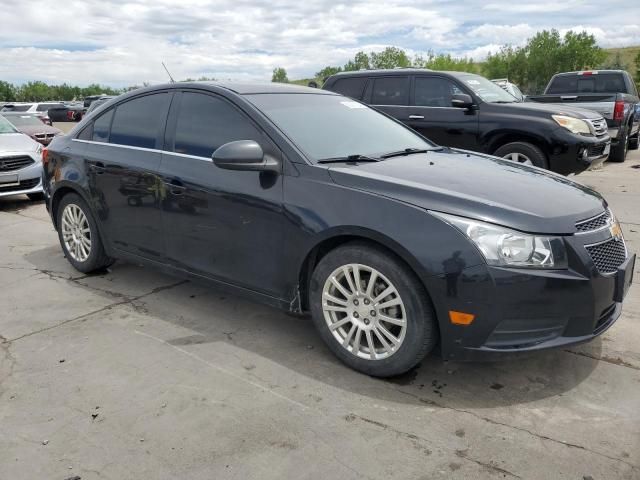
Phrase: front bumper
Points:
(25, 180)
(519, 311)
(571, 153)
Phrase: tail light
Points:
(45, 156)
(618, 111)
(69, 115)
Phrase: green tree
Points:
(359, 62)
(279, 75)
(7, 92)
(637, 62)
(390, 57)
(327, 72)
(444, 62)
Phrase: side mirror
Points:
(461, 100)
(244, 155)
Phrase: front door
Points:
(432, 115)
(123, 159)
(220, 223)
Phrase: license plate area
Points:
(624, 279)
(9, 180)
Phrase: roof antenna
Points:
(167, 70)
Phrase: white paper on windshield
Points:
(473, 82)
(352, 104)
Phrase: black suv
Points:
(468, 111)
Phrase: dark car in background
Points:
(310, 201)
(611, 93)
(31, 125)
(468, 111)
(97, 102)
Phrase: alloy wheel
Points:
(364, 311)
(76, 233)
(519, 158)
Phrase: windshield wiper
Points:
(409, 151)
(350, 158)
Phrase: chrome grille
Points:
(594, 223)
(609, 255)
(599, 126)
(8, 164)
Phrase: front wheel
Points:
(371, 310)
(78, 235)
(523, 152)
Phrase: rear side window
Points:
(595, 83)
(434, 91)
(137, 122)
(390, 91)
(16, 108)
(205, 123)
(350, 87)
(101, 127)
(43, 107)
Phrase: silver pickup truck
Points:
(611, 93)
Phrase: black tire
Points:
(421, 333)
(532, 152)
(634, 142)
(619, 152)
(36, 197)
(97, 259)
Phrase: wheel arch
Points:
(500, 139)
(335, 238)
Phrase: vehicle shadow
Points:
(292, 342)
(16, 203)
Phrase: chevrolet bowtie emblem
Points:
(616, 231)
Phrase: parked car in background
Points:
(99, 101)
(611, 93)
(31, 125)
(90, 99)
(512, 88)
(20, 163)
(310, 201)
(39, 109)
(468, 111)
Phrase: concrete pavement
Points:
(135, 375)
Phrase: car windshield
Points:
(24, 120)
(333, 126)
(487, 90)
(6, 126)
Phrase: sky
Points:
(121, 43)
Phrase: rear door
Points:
(123, 158)
(432, 115)
(389, 94)
(220, 223)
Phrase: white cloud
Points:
(122, 42)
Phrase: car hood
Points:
(35, 129)
(17, 142)
(551, 109)
(476, 186)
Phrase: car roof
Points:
(242, 88)
(397, 72)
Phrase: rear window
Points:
(350, 87)
(390, 91)
(595, 83)
(16, 108)
(43, 107)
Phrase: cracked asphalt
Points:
(131, 374)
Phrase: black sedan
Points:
(310, 201)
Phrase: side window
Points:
(205, 123)
(101, 127)
(86, 133)
(138, 121)
(390, 91)
(350, 87)
(434, 91)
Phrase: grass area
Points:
(627, 56)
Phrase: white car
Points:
(20, 163)
(39, 109)
(512, 88)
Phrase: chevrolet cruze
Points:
(309, 201)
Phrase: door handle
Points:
(175, 187)
(416, 117)
(98, 168)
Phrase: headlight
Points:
(574, 125)
(39, 149)
(509, 248)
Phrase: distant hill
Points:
(627, 55)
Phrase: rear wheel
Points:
(78, 235)
(633, 141)
(619, 152)
(371, 310)
(523, 152)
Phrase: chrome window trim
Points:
(144, 149)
